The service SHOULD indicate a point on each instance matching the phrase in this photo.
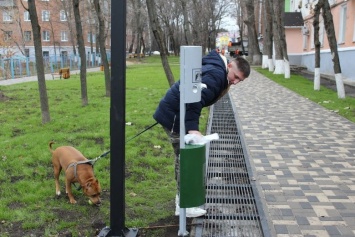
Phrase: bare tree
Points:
(159, 36)
(39, 61)
(198, 20)
(329, 27)
(20, 41)
(168, 12)
(102, 40)
(80, 39)
(52, 29)
(89, 12)
(279, 62)
(239, 16)
(317, 45)
(186, 25)
(68, 11)
(131, 24)
(249, 19)
(323, 7)
(268, 37)
(139, 20)
(283, 44)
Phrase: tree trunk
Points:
(159, 37)
(329, 27)
(130, 49)
(82, 53)
(279, 62)
(39, 61)
(197, 23)
(267, 61)
(186, 26)
(68, 14)
(103, 55)
(253, 47)
(317, 45)
(140, 27)
(283, 38)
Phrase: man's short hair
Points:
(243, 65)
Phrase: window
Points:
(63, 16)
(342, 26)
(45, 35)
(45, 15)
(6, 16)
(64, 54)
(93, 38)
(7, 35)
(26, 16)
(27, 35)
(45, 54)
(305, 41)
(27, 52)
(64, 35)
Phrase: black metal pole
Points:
(117, 117)
(117, 123)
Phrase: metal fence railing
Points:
(16, 66)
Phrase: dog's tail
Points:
(50, 146)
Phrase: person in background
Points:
(218, 77)
(223, 51)
(225, 60)
(237, 52)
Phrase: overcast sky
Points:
(230, 24)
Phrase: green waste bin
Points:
(192, 175)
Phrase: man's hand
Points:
(194, 132)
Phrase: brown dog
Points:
(78, 169)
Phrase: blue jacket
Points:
(214, 75)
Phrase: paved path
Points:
(303, 159)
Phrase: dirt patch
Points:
(3, 97)
(90, 224)
(168, 227)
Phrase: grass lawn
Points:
(325, 97)
(28, 204)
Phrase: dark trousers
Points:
(174, 139)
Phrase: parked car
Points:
(156, 53)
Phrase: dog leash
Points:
(92, 162)
(107, 152)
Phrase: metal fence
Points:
(17, 66)
(231, 199)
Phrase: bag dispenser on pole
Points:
(192, 157)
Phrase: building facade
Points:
(302, 52)
(58, 34)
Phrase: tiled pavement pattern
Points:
(303, 159)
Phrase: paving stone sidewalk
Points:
(302, 158)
